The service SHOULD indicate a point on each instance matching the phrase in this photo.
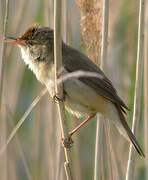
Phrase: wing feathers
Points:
(73, 60)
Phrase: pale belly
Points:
(82, 100)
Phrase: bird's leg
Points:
(67, 142)
(80, 125)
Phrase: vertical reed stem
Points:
(138, 86)
(99, 134)
(3, 125)
(59, 88)
(145, 109)
(3, 51)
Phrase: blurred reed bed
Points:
(35, 152)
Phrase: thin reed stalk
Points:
(138, 87)
(116, 167)
(99, 127)
(59, 161)
(66, 20)
(3, 127)
(98, 146)
(21, 121)
(109, 153)
(60, 149)
(59, 88)
(19, 147)
(145, 108)
(3, 50)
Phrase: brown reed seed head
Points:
(91, 26)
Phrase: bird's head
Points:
(36, 42)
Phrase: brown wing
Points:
(73, 60)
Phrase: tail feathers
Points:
(129, 132)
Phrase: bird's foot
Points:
(67, 142)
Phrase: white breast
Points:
(43, 75)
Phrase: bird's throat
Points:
(38, 68)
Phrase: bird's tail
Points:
(123, 127)
(129, 132)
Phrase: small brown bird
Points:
(83, 96)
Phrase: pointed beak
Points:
(13, 40)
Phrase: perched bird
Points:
(83, 96)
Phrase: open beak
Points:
(13, 40)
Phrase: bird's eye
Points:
(33, 30)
